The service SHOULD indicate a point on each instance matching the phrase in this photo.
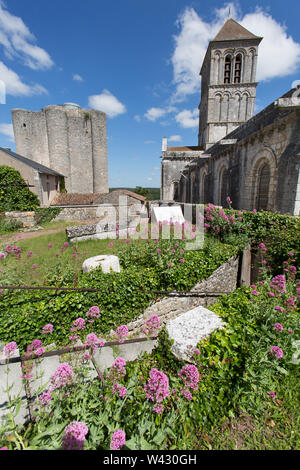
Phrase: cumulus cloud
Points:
(156, 113)
(107, 103)
(77, 77)
(15, 86)
(137, 118)
(7, 130)
(18, 41)
(188, 118)
(195, 33)
(175, 138)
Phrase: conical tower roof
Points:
(233, 30)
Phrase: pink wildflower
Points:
(74, 436)
(62, 376)
(278, 327)
(121, 333)
(272, 394)
(158, 409)
(47, 329)
(10, 348)
(190, 375)
(276, 352)
(118, 440)
(157, 387)
(45, 398)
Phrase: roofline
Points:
(27, 161)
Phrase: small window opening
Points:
(237, 69)
(227, 69)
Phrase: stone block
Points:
(189, 328)
(108, 263)
(170, 214)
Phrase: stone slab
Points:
(108, 263)
(169, 214)
(189, 328)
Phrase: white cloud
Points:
(107, 103)
(194, 35)
(77, 77)
(18, 41)
(149, 179)
(14, 86)
(175, 138)
(137, 118)
(156, 113)
(187, 118)
(7, 130)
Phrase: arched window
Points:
(227, 69)
(224, 189)
(238, 69)
(263, 184)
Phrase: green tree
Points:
(14, 193)
(141, 191)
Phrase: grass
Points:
(46, 259)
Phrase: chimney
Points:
(164, 144)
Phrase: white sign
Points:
(169, 214)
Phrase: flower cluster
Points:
(120, 389)
(117, 370)
(62, 376)
(121, 333)
(74, 436)
(47, 329)
(278, 284)
(93, 313)
(10, 348)
(276, 352)
(151, 326)
(157, 387)
(118, 440)
(190, 375)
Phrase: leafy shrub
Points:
(46, 214)
(14, 194)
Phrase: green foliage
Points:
(8, 225)
(14, 194)
(46, 214)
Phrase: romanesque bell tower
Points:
(228, 87)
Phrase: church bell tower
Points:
(228, 87)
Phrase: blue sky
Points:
(138, 61)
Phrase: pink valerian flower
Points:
(254, 292)
(93, 312)
(10, 348)
(117, 370)
(276, 352)
(47, 329)
(197, 352)
(120, 389)
(121, 333)
(79, 324)
(262, 247)
(45, 398)
(74, 436)
(278, 327)
(157, 387)
(92, 340)
(170, 264)
(229, 200)
(190, 375)
(158, 409)
(62, 376)
(278, 308)
(151, 326)
(34, 266)
(278, 283)
(66, 244)
(181, 260)
(271, 294)
(272, 394)
(186, 393)
(118, 440)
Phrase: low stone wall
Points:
(224, 279)
(25, 218)
(99, 211)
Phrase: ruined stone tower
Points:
(228, 87)
(68, 139)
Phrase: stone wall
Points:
(25, 218)
(224, 279)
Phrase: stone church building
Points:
(253, 159)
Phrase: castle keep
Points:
(253, 159)
(68, 139)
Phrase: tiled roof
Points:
(233, 30)
(75, 199)
(37, 166)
